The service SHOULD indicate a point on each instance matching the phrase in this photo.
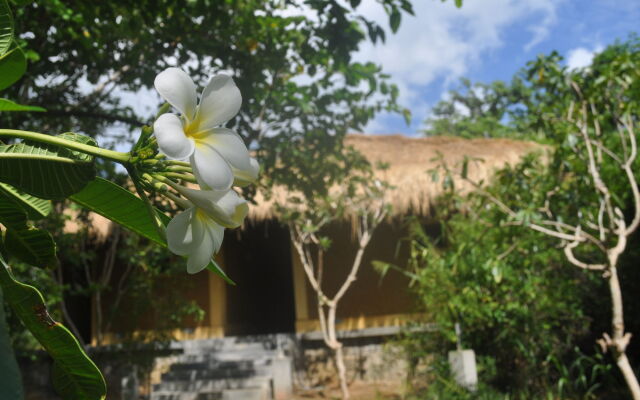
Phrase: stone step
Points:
(232, 394)
(236, 365)
(193, 375)
(211, 385)
(225, 360)
(260, 342)
(182, 396)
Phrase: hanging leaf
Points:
(10, 379)
(12, 216)
(8, 105)
(74, 376)
(6, 27)
(35, 207)
(12, 66)
(121, 206)
(394, 20)
(32, 246)
(46, 171)
(215, 268)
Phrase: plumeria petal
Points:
(184, 232)
(171, 138)
(210, 169)
(178, 89)
(234, 209)
(201, 255)
(246, 177)
(228, 144)
(216, 233)
(220, 101)
(226, 208)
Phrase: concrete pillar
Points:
(463, 368)
(282, 378)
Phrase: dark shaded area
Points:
(258, 259)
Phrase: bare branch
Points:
(568, 251)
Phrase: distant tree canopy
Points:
(531, 317)
(526, 106)
(292, 61)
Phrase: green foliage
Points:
(11, 382)
(295, 72)
(35, 207)
(6, 27)
(120, 205)
(477, 110)
(76, 376)
(531, 316)
(11, 215)
(21, 240)
(54, 172)
(32, 246)
(515, 297)
(8, 105)
(13, 65)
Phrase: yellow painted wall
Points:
(370, 301)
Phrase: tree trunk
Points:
(618, 341)
(342, 371)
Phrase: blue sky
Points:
(487, 40)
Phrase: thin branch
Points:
(568, 251)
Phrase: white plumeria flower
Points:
(198, 231)
(217, 154)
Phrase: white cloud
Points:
(442, 43)
(581, 57)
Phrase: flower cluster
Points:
(218, 158)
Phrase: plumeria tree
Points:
(188, 158)
(350, 191)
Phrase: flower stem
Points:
(116, 156)
(180, 163)
(161, 180)
(180, 169)
(188, 178)
(133, 173)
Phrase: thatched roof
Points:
(409, 161)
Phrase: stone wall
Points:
(368, 357)
(368, 360)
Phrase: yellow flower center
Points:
(192, 129)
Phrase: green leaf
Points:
(10, 379)
(11, 215)
(394, 20)
(75, 376)
(32, 246)
(12, 66)
(8, 105)
(215, 268)
(46, 171)
(35, 207)
(6, 27)
(121, 206)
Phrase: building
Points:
(272, 295)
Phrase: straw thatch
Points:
(409, 161)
